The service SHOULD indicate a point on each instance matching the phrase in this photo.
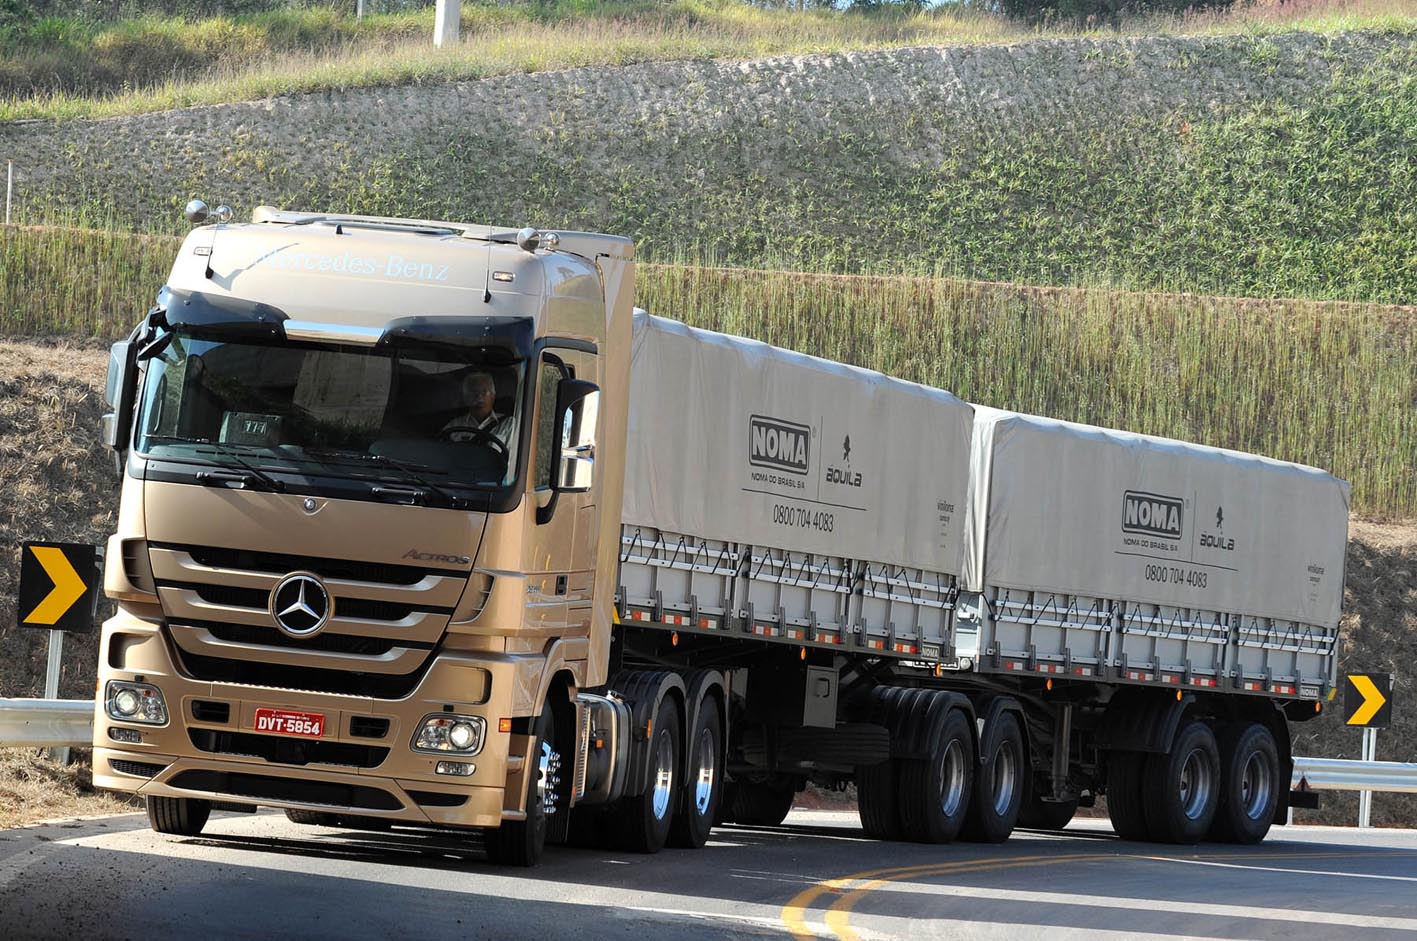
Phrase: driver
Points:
(479, 394)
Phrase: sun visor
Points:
(197, 312)
(514, 336)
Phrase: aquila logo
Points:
(779, 444)
(1151, 514)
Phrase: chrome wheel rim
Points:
(1005, 778)
(708, 771)
(548, 777)
(952, 775)
(663, 777)
(1195, 785)
(1255, 786)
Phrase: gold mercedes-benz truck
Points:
(423, 524)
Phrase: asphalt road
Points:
(263, 877)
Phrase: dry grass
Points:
(262, 61)
(34, 788)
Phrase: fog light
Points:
(460, 768)
(447, 733)
(135, 702)
(127, 736)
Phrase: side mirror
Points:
(119, 392)
(578, 406)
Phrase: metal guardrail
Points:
(1347, 774)
(46, 723)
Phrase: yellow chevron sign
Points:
(1367, 700)
(54, 579)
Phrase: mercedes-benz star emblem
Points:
(300, 604)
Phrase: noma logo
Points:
(780, 444)
(1151, 514)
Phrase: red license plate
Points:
(285, 722)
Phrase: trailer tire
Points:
(934, 792)
(313, 818)
(521, 842)
(761, 803)
(701, 791)
(644, 821)
(876, 800)
(999, 783)
(1249, 788)
(1182, 786)
(178, 816)
(1124, 795)
(1038, 814)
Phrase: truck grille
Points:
(270, 637)
(299, 679)
(277, 564)
(287, 751)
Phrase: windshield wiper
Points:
(244, 476)
(413, 472)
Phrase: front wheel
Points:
(521, 842)
(644, 821)
(702, 790)
(179, 816)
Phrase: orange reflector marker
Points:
(1049, 684)
(504, 725)
(1318, 707)
(674, 639)
(1178, 695)
(649, 727)
(802, 654)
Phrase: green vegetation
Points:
(62, 68)
(1328, 384)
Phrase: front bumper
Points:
(203, 753)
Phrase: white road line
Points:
(1302, 872)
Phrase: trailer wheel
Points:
(876, 800)
(999, 783)
(521, 842)
(1182, 787)
(1124, 794)
(702, 789)
(934, 793)
(1249, 789)
(179, 816)
(312, 818)
(760, 803)
(644, 821)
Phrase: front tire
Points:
(1183, 787)
(521, 842)
(702, 789)
(312, 818)
(644, 821)
(178, 816)
(1250, 781)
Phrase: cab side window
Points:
(548, 378)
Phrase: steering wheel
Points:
(478, 436)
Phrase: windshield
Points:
(445, 417)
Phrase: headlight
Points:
(135, 702)
(460, 735)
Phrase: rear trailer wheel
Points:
(1249, 784)
(644, 821)
(761, 803)
(1124, 794)
(702, 790)
(1182, 788)
(998, 783)
(313, 818)
(876, 801)
(179, 816)
(521, 842)
(934, 793)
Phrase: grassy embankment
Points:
(60, 68)
(1328, 384)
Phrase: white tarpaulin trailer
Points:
(769, 484)
(1100, 552)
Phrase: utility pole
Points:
(446, 22)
